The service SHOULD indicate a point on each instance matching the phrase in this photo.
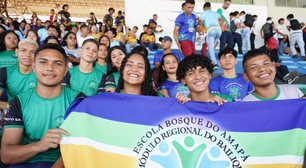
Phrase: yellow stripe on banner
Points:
(102, 159)
(274, 166)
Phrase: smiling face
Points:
(260, 71)
(49, 67)
(134, 70)
(170, 64)
(117, 57)
(89, 52)
(228, 61)
(197, 80)
(25, 53)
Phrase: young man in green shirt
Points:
(195, 71)
(31, 132)
(19, 78)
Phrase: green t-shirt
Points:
(112, 80)
(88, 83)
(226, 97)
(15, 82)
(8, 58)
(101, 68)
(35, 115)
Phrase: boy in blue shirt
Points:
(230, 82)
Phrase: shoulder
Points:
(70, 92)
(250, 97)
(159, 53)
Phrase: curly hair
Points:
(64, 42)
(110, 67)
(147, 86)
(191, 62)
(162, 76)
(2, 38)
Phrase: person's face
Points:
(47, 24)
(105, 41)
(260, 71)
(62, 27)
(89, 52)
(145, 29)
(103, 28)
(71, 39)
(170, 64)
(226, 4)
(149, 32)
(166, 44)
(110, 34)
(66, 8)
(25, 53)
(38, 22)
(255, 18)
(94, 29)
(22, 24)
(119, 28)
(34, 15)
(281, 22)
(74, 30)
(32, 36)
(11, 41)
(134, 30)
(155, 17)
(52, 12)
(228, 61)
(53, 41)
(102, 53)
(52, 32)
(134, 71)
(85, 31)
(111, 12)
(27, 26)
(50, 68)
(117, 57)
(189, 8)
(197, 79)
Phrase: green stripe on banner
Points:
(127, 135)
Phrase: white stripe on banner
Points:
(97, 145)
(284, 159)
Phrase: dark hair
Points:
(120, 12)
(252, 54)
(47, 21)
(64, 42)
(51, 47)
(190, 2)
(52, 27)
(110, 67)
(227, 0)
(65, 5)
(91, 41)
(255, 16)
(35, 32)
(135, 27)
(162, 73)
(108, 40)
(290, 16)
(147, 86)
(207, 5)
(2, 27)
(242, 12)
(281, 19)
(49, 38)
(183, 4)
(154, 15)
(145, 25)
(235, 13)
(140, 49)
(16, 25)
(111, 9)
(227, 50)
(83, 26)
(2, 37)
(91, 13)
(191, 62)
(114, 31)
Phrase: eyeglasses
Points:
(71, 38)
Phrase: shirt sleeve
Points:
(177, 56)
(110, 81)
(101, 87)
(178, 21)
(3, 78)
(13, 116)
(202, 16)
(162, 88)
(214, 85)
(66, 80)
(156, 57)
(288, 23)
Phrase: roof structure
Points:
(77, 8)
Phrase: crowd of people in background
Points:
(108, 56)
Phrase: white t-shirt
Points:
(225, 13)
(237, 20)
(294, 31)
(242, 19)
(280, 29)
(284, 92)
(80, 40)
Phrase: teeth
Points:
(133, 75)
(199, 83)
(265, 75)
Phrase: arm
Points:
(104, 21)
(288, 28)
(153, 42)
(175, 36)
(303, 24)
(164, 92)
(59, 163)
(261, 33)
(221, 22)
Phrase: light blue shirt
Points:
(210, 20)
(42, 33)
(114, 43)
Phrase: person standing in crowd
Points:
(27, 140)
(8, 44)
(92, 19)
(120, 20)
(65, 9)
(235, 28)
(166, 46)
(53, 16)
(185, 25)
(294, 26)
(101, 61)
(280, 35)
(34, 19)
(19, 78)
(84, 35)
(253, 34)
(108, 20)
(267, 29)
(226, 36)
(153, 24)
(43, 32)
(229, 82)
(213, 23)
(259, 69)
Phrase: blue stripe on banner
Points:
(261, 116)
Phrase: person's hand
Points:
(159, 26)
(217, 99)
(51, 139)
(181, 98)
(148, 41)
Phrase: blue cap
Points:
(168, 38)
